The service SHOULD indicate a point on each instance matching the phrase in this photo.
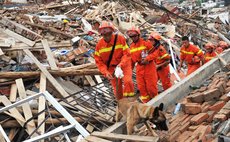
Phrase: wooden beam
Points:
(26, 107)
(114, 136)
(13, 92)
(38, 46)
(4, 45)
(59, 73)
(90, 80)
(96, 139)
(1, 52)
(13, 112)
(19, 37)
(49, 55)
(42, 105)
(116, 128)
(51, 79)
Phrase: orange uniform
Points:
(163, 72)
(121, 57)
(209, 56)
(146, 74)
(188, 54)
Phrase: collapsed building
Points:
(51, 89)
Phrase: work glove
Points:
(118, 72)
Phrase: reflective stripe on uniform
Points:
(209, 58)
(165, 55)
(108, 49)
(97, 53)
(185, 52)
(125, 47)
(144, 97)
(128, 94)
(137, 49)
(200, 51)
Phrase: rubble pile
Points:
(205, 112)
(49, 47)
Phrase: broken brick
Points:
(196, 98)
(205, 108)
(174, 136)
(184, 127)
(227, 90)
(228, 83)
(220, 87)
(193, 128)
(210, 116)
(199, 118)
(206, 130)
(183, 103)
(212, 94)
(224, 98)
(184, 136)
(217, 106)
(192, 108)
(187, 119)
(220, 117)
(227, 105)
(225, 112)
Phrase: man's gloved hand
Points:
(144, 62)
(108, 76)
(118, 72)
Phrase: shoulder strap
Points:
(111, 53)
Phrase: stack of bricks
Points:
(71, 55)
(200, 110)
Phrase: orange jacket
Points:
(162, 55)
(137, 48)
(209, 56)
(120, 56)
(188, 54)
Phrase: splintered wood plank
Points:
(114, 136)
(90, 128)
(42, 105)
(96, 139)
(19, 37)
(51, 79)
(26, 107)
(49, 55)
(90, 80)
(13, 92)
(1, 52)
(2, 139)
(13, 111)
(69, 86)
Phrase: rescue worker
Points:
(221, 47)
(146, 75)
(162, 61)
(116, 61)
(210, 52)
(191, 54)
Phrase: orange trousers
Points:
(164, 76)
(192, 68)
(147, 81)
(128, 89)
